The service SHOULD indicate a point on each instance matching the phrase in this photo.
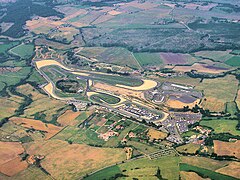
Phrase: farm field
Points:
(8, 106)
(217, 92)
(142, 147)
(201, 68)
(12, 78)
(231, 108)
(36, 109)
(23, 50)
(237, 100)
(68, 118)
(6, 45)
(230, 170)
(148, 59)
(233, 61)
(63, 163)
(189, 175)
(175, 59)
(11, 163)
(188, 148)
(204, 162)
(142, 168)
(221, 56)
(206, 173)
(30, 173)
(49, 130)
(154, 134)
(227, 148)
(111, 56)
(119, 89)
(222, 126)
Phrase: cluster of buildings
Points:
(183, 93)
(199, 138)
(177, 123)
(79, 105)
(107, 135)
(139, 112)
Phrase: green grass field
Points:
(12, 78)
(105, 97)
(113, 80)
(215, 55)
(148, 59)
(231, 108)
(236, 52)
(222, 126)
(7, 45)
(142, 147)
(23, 50)
(204, 172)
(188, 148)
(141, 168)
(67, 133)
(87, 136)
(234, 61)
(36, 77)
(189, 133)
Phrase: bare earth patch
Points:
(178, 104)
(147, 84)
(119, 90)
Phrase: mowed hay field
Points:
(48, 129)
(154, 134)
(222, 148)
(41, 103)
(232, 169)
(65, 161)
(190, 175)
(218, 91)
(68, 118)
(10, 162)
